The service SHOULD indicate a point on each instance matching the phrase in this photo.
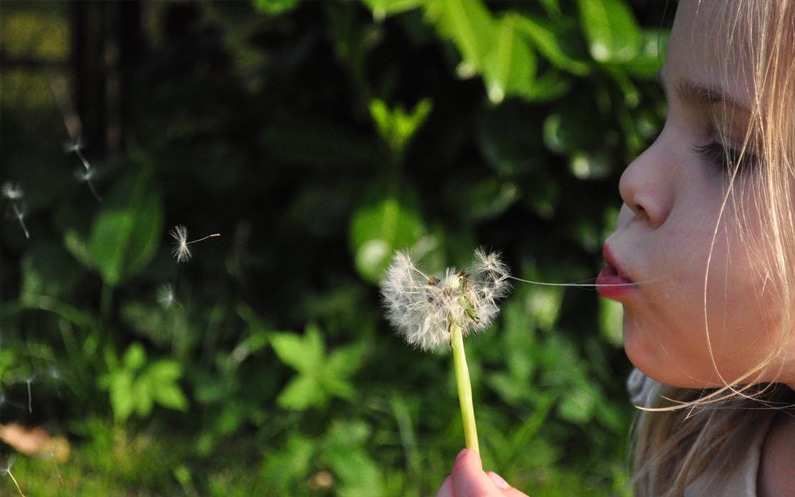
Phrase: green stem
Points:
(464, 387)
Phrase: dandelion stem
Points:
(464, 387)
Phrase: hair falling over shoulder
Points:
(683, 436)
(687, 433)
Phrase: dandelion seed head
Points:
(181, 251)
(421, 308)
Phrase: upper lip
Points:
(610, 259)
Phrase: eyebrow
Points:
(691, 91)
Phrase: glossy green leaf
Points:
(470, 25)
(611, 29)
(510, 63)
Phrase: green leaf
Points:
(170, 396)
(121, 401)
(488, 198)
(396, 126)
(135, 357)
(127, 230)
(301, 352)
(320, 377)
(650, 57)
(302, 393)
(611, 315)
(611, 29)
(510, 65)
(345, 452)
(383, 8)
(556, 42)
(78, 247)
(377, 231)
(470, 25)
(275, 7)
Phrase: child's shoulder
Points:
(777, 464)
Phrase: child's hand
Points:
(469, 480)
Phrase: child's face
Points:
(678, 229)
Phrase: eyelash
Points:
(727, 159)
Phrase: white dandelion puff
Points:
(180, 234)
(422, 308)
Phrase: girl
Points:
(703, 262)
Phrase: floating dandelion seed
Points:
(436, 313)
(165, 296)
(19, 213)
(181, 250)
(13, 192)
(7, 470)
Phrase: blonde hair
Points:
(686, 431)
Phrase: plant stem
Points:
(464, 387)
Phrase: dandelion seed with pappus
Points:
(165, 296)
(12, 191)
(7, 470)
(180, 234)
(437, 313)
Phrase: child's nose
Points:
(645, 185)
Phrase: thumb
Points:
(469, 479)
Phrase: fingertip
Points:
(468, 457)
(498, 480)
(446, 490)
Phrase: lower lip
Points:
(611, 285)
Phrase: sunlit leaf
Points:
(378, 230)
(470, 25)
(510, 64)
(611, 29)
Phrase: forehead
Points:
(705, 49)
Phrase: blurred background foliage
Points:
(316, 138)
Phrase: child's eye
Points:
(727, 159)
